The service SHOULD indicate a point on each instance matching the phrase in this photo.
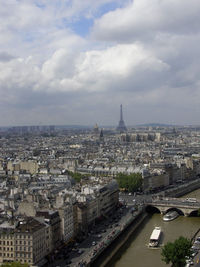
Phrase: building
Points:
(23, 241)
(67, 222)
(52, 218)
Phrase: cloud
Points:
(143, 19)
(4, 57)
(141, 53)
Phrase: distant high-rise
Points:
(121, 126)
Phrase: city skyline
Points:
(74, 62)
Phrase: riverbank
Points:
(107, 255)
(183, 189)
(117, 243)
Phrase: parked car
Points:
(80, 251)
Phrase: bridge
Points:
(184, 206)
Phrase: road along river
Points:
(135, 252)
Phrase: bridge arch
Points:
(193, 213)
(152, 209)
(180, 212)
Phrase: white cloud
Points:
(102, 69)
(143, 54)
(143, 19)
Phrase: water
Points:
(136, 253)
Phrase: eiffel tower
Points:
(121, 126)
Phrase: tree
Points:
(14, 264)
(131, 182)
(77, 176)
(177, 252)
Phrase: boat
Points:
(171, 215)
(155, 237)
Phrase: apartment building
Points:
(23, 241)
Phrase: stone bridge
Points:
(184, 206)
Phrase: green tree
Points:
(14, 264)
(176, 252)
(131, 182)
(77, 176)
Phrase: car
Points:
(99, 236)
(194, 254)
(190, 261)
(93, 243)
(80, 251)
(194, 248)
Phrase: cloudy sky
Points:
(76, 61)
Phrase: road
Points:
(101, 234)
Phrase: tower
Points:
(96, 129)
(121, 126)
(101, 138)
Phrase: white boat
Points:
(155, 237)
(171, 215)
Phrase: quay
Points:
(103, 257)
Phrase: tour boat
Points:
(155, 237)
(171, 215)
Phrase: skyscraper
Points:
(121, 126)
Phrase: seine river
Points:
(136, 253)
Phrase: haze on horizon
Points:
(74, 62)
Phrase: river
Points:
(135, 253)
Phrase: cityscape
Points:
(99, 133)
(61, 201)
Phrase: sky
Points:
(65, 62)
